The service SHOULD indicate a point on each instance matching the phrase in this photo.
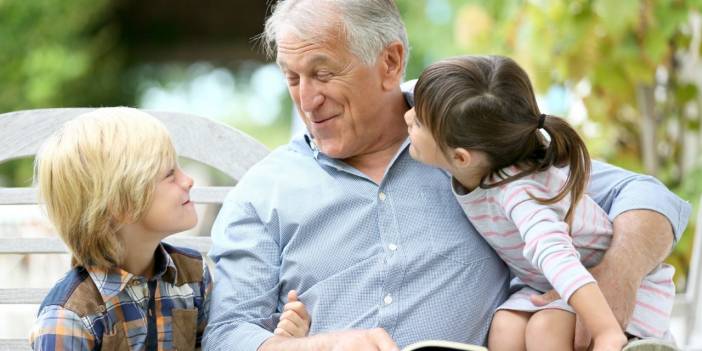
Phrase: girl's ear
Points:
(461, 157)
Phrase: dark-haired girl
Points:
(521, 176)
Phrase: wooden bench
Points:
(21, 133)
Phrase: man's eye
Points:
(323, 75)
(293, 80)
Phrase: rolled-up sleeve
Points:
(617, 190)
(245, 294)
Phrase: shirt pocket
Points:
(184, 328)
(116, 341)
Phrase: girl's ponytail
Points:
(565, 148)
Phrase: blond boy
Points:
(114, 190)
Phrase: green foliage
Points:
(47, 47)
(57, 54)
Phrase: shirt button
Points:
(387, 299)
(392, 247)
(382, 196)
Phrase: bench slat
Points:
(56, 246)
(196, 138)
(29, 196)
(14, 344)
(23, 296)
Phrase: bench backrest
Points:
(22, 133)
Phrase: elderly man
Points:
(372, 240)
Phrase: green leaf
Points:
(617, 17)
(685, 93)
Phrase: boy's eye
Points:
(170, 173)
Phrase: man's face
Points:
(338, 97)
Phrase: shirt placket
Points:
(392, 259)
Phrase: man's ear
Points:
(461, 157)
(392, 63)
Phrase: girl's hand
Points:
(294, 321)
(609, 341)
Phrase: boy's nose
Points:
(187, 182)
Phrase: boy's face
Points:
(171, 210)
(423, 147)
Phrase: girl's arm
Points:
(593, 310)
(548, 245)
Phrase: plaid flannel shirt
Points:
(115, 310)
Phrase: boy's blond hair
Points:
(98, 172)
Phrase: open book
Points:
(441, 345)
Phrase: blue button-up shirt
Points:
(400, 255)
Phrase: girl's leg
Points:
(507, 330)
(550, 329)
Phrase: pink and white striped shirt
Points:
(544, 252)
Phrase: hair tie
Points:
(545, 136)
(542, 119)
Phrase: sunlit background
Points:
(626, 73)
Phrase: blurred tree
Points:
(92, 52)
(47, 46)
(53, 54)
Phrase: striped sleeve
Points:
(57, 328)
(547, 241)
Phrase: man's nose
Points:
(310, 95)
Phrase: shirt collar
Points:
(306, 144)
(111, 282)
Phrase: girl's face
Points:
(423, 147)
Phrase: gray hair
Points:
(368, 25)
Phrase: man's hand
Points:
(370, 339)
(359, 339)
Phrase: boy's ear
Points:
(121, 216)
(392, 59)
(461, 157)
